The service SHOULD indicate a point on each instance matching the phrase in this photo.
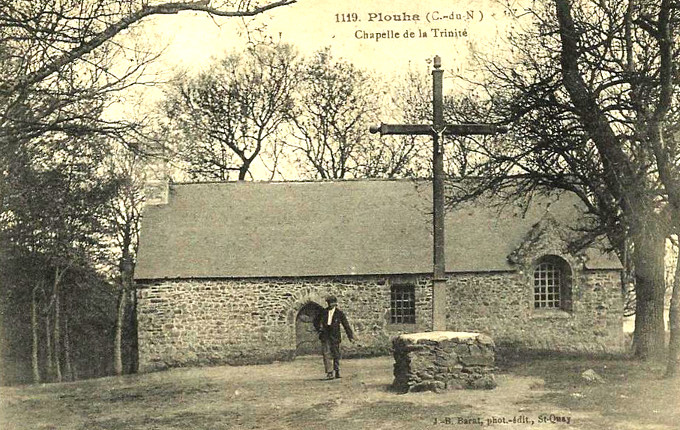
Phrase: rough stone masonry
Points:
(226, 271)
(439, 360)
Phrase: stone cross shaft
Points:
(438, 129)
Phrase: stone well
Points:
(439, 360)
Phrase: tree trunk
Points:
(134, 353)
(118, 342)
(67, 348)
(34, 330)
(673, 365)
(57, 337)
(57, 327)
(648, 258)
(243, 171)
(48, 342)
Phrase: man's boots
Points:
(337, 374)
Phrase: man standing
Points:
(327, 324)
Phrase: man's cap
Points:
(331, 299)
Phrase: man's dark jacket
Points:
(332, 331)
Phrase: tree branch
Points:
(114, 29)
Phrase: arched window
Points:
(552, 284)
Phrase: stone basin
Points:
(439, 360)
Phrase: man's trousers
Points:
(331, 356)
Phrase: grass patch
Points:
(631, 392)
(294, 395)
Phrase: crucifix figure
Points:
(438, 129)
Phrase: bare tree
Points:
(227, 116)
(408, 102)
(332, 112)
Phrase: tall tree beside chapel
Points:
(590, 95)
(122, 220)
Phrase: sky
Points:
(385, 36)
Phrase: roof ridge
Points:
(303, 181)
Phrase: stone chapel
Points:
(233, 273)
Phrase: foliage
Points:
(61, 66)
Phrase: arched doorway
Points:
(306, 339)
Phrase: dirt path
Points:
(293, 395)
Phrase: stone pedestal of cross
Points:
(438, 129)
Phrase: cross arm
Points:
(429, 130)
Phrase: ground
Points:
(546, 392)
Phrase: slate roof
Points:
(358, 227)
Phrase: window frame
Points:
(551, 283)
(548, 286)
(400, 294)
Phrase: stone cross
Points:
(438, 129)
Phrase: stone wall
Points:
(501, 305)
(199, 322)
